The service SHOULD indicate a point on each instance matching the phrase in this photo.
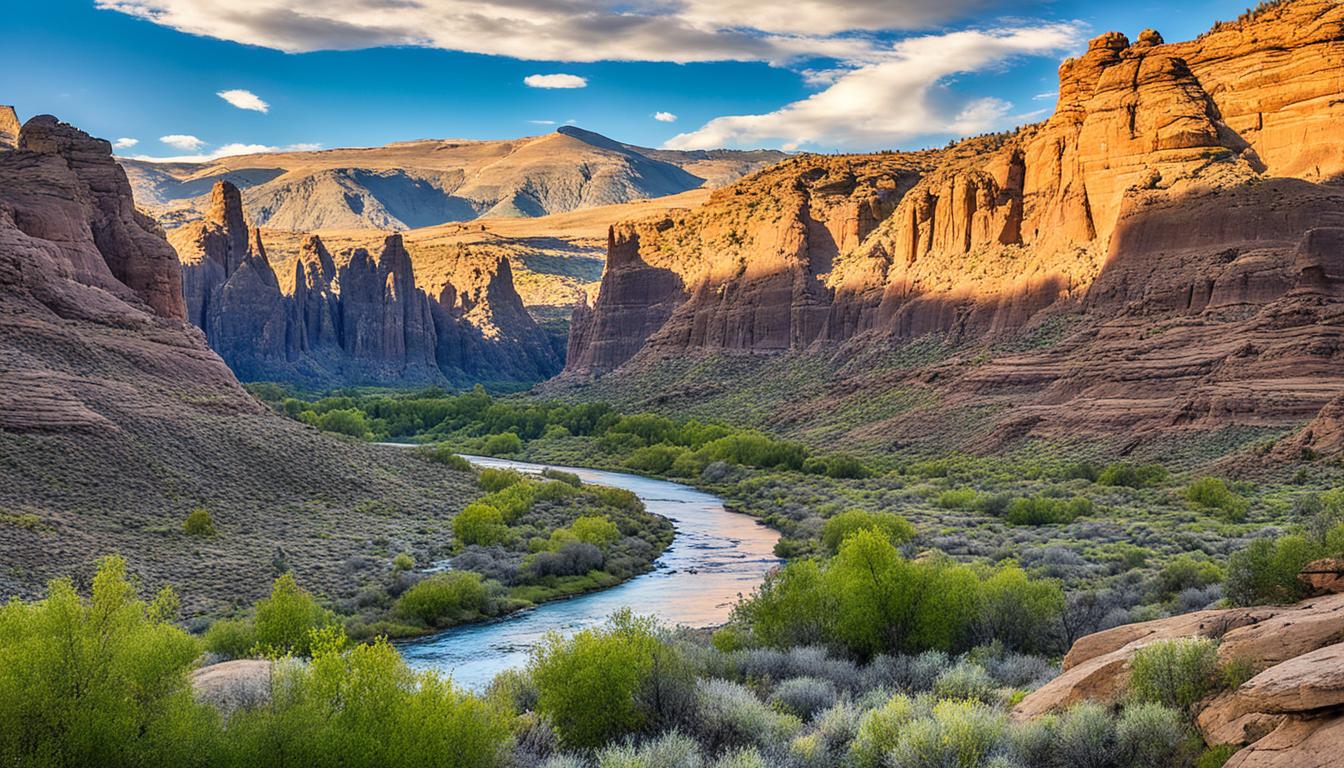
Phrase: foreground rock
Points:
(1288, 714)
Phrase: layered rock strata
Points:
(1179, 215)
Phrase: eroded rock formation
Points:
(1178, 213)
(358, 317)
(1286, 714)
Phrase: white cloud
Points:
(901, 96)
(182, 141)
(230, 150)
(244, 100)
(1048, 96)
(561, 30)
(542, 122)
(555, 81)
(665, 117)
(125, 143)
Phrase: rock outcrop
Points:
(117, 419)
(355, 318)
(9, 127)
(1287, 714)
(1176, 217)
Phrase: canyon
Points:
(1163, 254)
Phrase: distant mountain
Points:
(407, 185)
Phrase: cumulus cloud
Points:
(555, 81)
(900, 96)
(182, 141)
(244, 100)
(665, 117)
(125, 142)
(560, 30)
(230, 150)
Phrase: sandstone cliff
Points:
(358, 317)
(1161, 253)
(116, 419)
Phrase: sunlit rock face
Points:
(1187, 187)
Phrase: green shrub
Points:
(965, 682)
(958, 733)
(728, 713)
(445, 598)
(505, 444)
(99, 680)
(1175, 673)
(958, 498)
(493, 479)
(1216, 757)
(403, 562)
(231, 638)
(1187, 572)
(1266, 570)
(568, 478)
(442, 454)
(480, 523)
(1148, 735)
(1214, 493)
(1085, 737)
(365, 707)
(347, 421)
(654, 459)
(284, 622)
(588, 684)
(841, 526)
(1132, 475)
(1043, 510)
(879, 731)
(199, 523)
(597, 530)
(839, 466)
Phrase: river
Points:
(715, 557)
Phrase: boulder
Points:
(1323, 577)
(233, 685)
(1286, 633)
(1222, 721)
(1299, 742)
(1308, 682)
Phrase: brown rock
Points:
(1314, 742)
(1308, 682)
(1323, 577)
(1287, 634)
(1222, 721)
(9, 127)
(233, 685)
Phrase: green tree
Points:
(284, 621)
(347, 421)
(597, 530)
(444, 598)
(99, 680)
(199, 523)
(897, 530)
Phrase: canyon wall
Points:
(1191, 187)
(356, 317)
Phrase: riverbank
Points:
(716, 557)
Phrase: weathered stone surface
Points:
(1287, 634)
(1323, 577)
(1311, 681)
(1223, 721)
(1311, 742)
(233, 685)
(131, 243)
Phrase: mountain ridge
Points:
(412, 184)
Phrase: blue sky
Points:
(810, 74)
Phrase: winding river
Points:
(716, 556)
